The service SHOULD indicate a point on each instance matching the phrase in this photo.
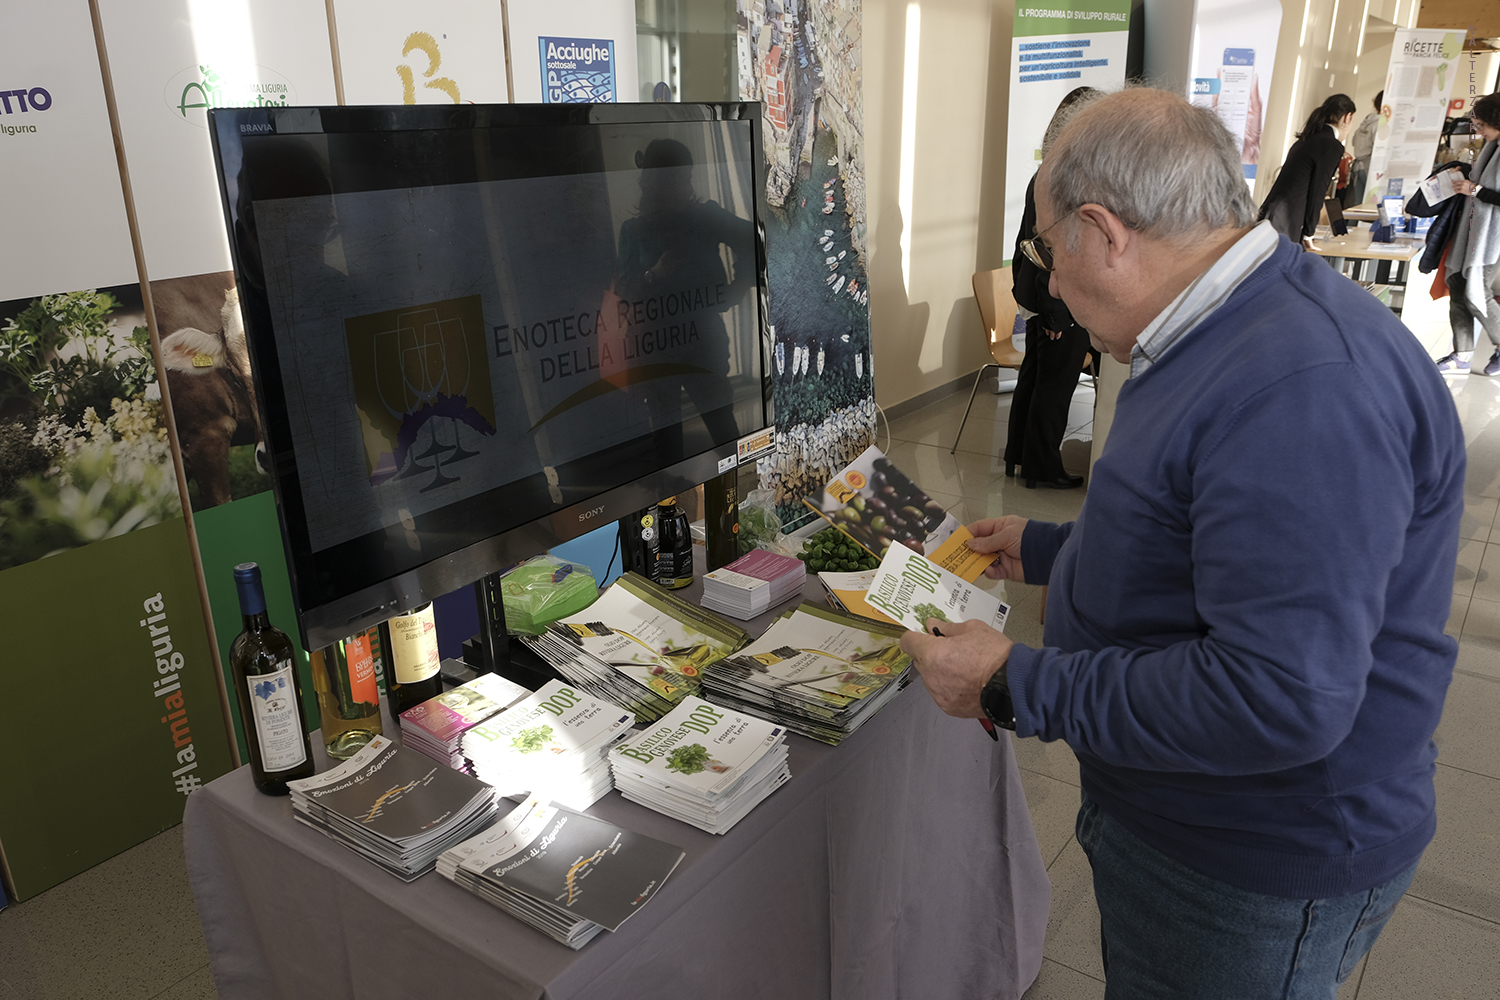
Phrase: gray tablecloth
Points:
(899, 864)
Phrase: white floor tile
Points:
(1456, 614)
(1058, 982)
(1461, 867)
(1482, 626)
(1468, 736)
(1054, 759)
(1470, 556)
(1073, 927)
(1428, 952)
(1479, 517)
(1487, 581)
(1054, 810)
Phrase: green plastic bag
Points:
(541, 590)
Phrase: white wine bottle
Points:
(263, 661)
(409, 649)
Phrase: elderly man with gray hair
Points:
(1244, 639)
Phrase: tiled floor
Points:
(127, 928)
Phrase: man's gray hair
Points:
(1165, 168)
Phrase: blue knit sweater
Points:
(1244, 639)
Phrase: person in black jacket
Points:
(1055, 348)
(1293, 204)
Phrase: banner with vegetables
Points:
(95, 557)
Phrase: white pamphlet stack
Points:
(395, 807)
(554, 743)
(704, 765)
(437, 726)
(566, 874)
(752, 583)
(819, 672)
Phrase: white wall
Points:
(930, 334)
(1325, 48)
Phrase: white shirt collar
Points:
(1206, 293)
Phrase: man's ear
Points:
(1116, 235)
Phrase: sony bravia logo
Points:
(263, 127)
(591, 513)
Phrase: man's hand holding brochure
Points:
(957, 662)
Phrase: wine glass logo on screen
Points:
(420, 379)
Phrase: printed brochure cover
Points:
(557, 720)
(823, 656)
(846, 592)
(593, 869)
(456, 710)
(644, 640)
(911, 589)
(397, 794)
(698, 747)
(877, 506)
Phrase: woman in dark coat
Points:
(1295, 198)
(1055, 348)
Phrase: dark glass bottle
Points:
(263, 662)
(721, 520)
(674, 565)
(409, 650)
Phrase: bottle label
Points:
(414, 648)
(361, 660)
(278, 725)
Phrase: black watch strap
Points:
(996, 703)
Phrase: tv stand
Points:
(492, 650)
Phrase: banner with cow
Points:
(96, 569)
(191, 57)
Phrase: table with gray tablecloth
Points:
(901, 863)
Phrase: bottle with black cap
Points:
(263, 662)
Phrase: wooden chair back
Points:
(997, 307)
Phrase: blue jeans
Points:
(1170, 933)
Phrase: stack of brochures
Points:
(397, 808)
(554, 743)
(437, 726)
(704, 765)
(637, 646)
(818, 672)
(566, 874)
(753, 583)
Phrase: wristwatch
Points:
(995, 701)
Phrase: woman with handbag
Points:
(1474, 254)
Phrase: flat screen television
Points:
(480, 330)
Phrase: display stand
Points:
(491, 650)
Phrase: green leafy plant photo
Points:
(84, 452)
(531, 740)
(689, 759)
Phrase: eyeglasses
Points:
(1038, 252)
